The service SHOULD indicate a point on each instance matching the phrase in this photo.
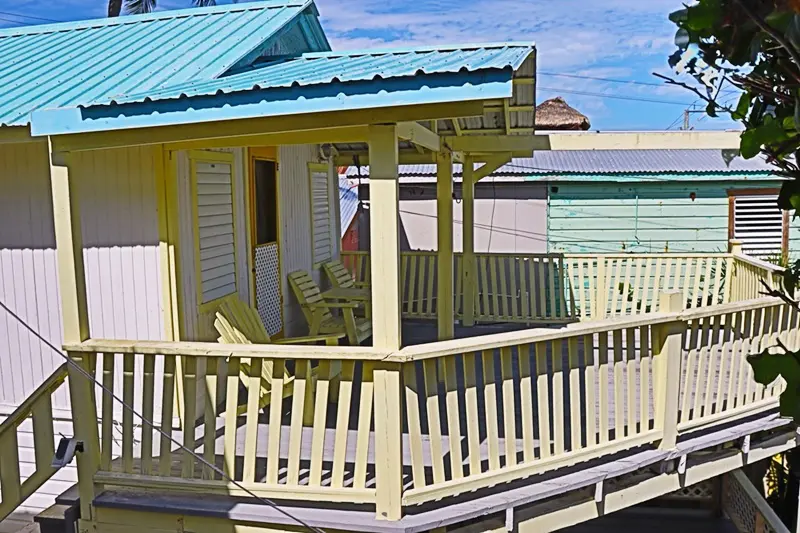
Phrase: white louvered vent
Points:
(758, 223)
(320, 215)
(215, 224)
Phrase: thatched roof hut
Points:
(556, 114)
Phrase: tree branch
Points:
(769, 30)
(778, 294)
(702, 96)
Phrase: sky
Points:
(576, 40)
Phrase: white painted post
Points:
(735, 247)
(469, 280)
(667, 350)
(388, 442)
(444, 218)
(384, 215)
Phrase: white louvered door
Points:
(758, 223)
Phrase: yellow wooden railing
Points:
(530, 288)
(39, 407)
(387, 427)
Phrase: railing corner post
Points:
(84, 416)
(735, 247)
(388, 441)
(668, 352)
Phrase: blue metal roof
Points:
(63, 65)
(309, 83)
(348, 202)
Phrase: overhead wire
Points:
(614, 96)
(32, 17)
(152, 425)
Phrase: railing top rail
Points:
(760, 263)
(214, 349)
(24, 410)
(618, 255)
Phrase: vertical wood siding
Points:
(119, 217)
(608, 217)
(195, 325)
(295, 225)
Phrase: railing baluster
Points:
(590, 396)
(434, 423)
(602, 355)
(578, 281)
(472, 414)
(648, 287)
(275, 412)
(695, 338)
(210, 416)
(108, 412)
(593, 311)
(429, 310)
(165, 444)
(543, 399)
(10, 483)
(630, 374)
(575, 441)
(43, 433)
(541, 264)
(364, 424)
(414, 424)
(644, 379)
(343, 424)
(148, 393)
(490, 399)
(626, 289)
(495, 310)
(619, 386)
(301, 381)
(318, 429)
(526, 402)
(413, 264)
(744, 370)
(513, 296)
(558, 396)
(509, 415)
(502, 262)
(700, 376)
(483, 310)
(251, 418)
(128, 368)
(636, 292)
(453, 422)
(405, 304)
(551, 284)
(189, 415)
(713, 364)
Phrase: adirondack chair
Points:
(238, 323)
(318, 311)
(339, 276)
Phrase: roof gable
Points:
(58, 65)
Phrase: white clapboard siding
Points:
(321, 214)
(215, 229)
(758, 223)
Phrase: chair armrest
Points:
(361, 284)
(310, 339)
(336, 305)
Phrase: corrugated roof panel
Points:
(343, 67)
(69, 64)
(348, 202)
(600, 164)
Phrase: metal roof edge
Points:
(412, 49)
(62, 121)
(157, 15)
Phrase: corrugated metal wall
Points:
(120, 235)
(644, 217)
(195, 325)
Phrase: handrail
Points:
(665, 255)
(22, 412)
(759, 263)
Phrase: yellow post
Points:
(469, 280)
(388, 442)
(667, 353)
(735, 247)
(75, 317)
(444, 217)
(384, 215)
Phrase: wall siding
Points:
(197, 327)
(120, 233)
(607, 217)
(295, 226)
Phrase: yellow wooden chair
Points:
(238, 323)
(339, 276)
(317, 311)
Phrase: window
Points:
(321, 228)
(265, 202)
(212, 177)
(759, 224)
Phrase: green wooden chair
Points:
(238, 323)
(339, 276)
(317, 311)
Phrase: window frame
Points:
(202, 156)
(766, 191)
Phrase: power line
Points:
(610, 80)
(19, 15)
(613, 96)
(152, 425)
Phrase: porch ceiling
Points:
(330, 82)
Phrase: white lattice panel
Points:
(742, 511)
(268, 287)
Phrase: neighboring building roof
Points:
(74, 63)
(348, 203)
(316, 82)
(612, 165)
(556, 114)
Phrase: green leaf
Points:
(752, 140)
(766, 369)
(711, 109)
(742, 107)
(678, 16)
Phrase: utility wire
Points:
(610, 80)
(19, 15)
(150, 423)
(616, 97)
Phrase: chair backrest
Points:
(338, 274)
(307, 293)
(238, 323)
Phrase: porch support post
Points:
(667, 359)
(384, 212)
(469, 281)
(444, 217)
(75, 318)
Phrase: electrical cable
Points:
(613, 96)
(150, 423)
(19, 15)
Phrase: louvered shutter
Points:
(320, 215)
(758, 223)
(216, 230)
